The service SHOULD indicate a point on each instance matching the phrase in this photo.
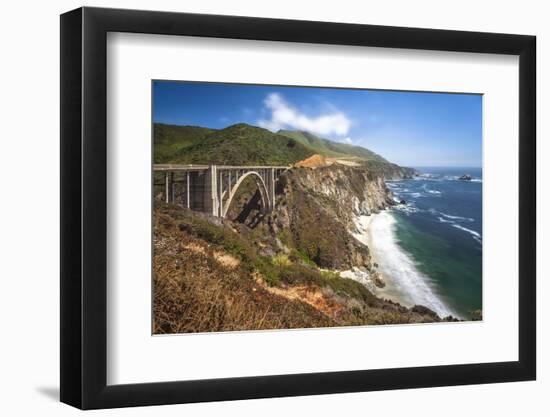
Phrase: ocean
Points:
(430, 248)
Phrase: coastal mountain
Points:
(239, 144)
(243, 144)
(330, 148)
(170, 139)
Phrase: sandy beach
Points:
(405, 284)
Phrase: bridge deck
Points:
(175, 167)
(191, 167)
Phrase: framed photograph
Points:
(256, 208)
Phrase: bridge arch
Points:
(260, 183)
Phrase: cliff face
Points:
(396, 172)
(315, 212)
(345, 192)
(390, 171)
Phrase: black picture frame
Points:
(84, 207)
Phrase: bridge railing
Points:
(204, 187)
(192, 167)
(177, 167)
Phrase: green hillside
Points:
(240, 144)
(329, 148)
(318, 145)
(170, 139)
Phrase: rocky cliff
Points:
(315, 213)
(316, 208)
(390, 171)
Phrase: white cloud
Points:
(285, 116)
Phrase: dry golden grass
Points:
(204, 290)
(203, 285)
(314, 161)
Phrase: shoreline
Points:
(404, 283)
(364, 235)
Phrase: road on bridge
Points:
(211, 188)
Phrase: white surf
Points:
(404, 282)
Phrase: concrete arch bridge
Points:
(212, 188)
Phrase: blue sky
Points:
(408, 128)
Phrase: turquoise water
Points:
(440, 227)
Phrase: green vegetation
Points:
(295, 268)
(211, 276)
(281, 260)
(295, 274)
(314, 232)
(242, 144)
(170, 139)
(198, 287)
(239, 144)
(329, 148)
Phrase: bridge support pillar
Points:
(211, 201)
(167, 188)
(187, 190)
(271, 188)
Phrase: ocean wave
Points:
(459, 218)
(430, 191)
(427, 176)
(407, 208)
(426, 192)
(407, 193)
(454, 222)
(398, 266)
(475, 235)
